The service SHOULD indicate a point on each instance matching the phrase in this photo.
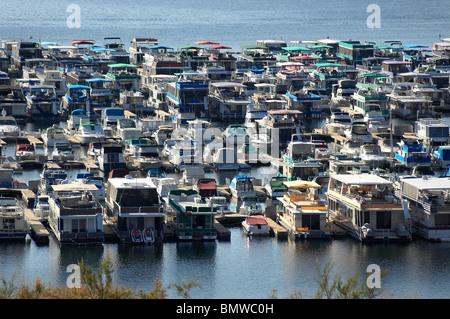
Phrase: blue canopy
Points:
(78, 86)
(411, 46)
(79, 111)
(103, 50)
(98, 80)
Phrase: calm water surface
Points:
(243, 267)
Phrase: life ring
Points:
(15, 184)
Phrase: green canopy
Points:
(122, 65)
(374, 75)
(321, 46)
(328, 65)
(295, 49)
(190, 47)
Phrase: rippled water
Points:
(244, 267)
(234, 23)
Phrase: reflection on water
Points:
(243, 267)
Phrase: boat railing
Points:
(15, 211)
(136, 209)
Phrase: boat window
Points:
(311, 221)
(442, 219)
(383, 220)
(137, 197)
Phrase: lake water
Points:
(242, 267)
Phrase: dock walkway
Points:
(37, 230)
(278, 231)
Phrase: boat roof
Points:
(362, 179)
(301, 184)
(78, 86)
(206, 42)
(395, 62)
(74, 187)
(121, 65)
(430, 183)
(216, 47)
(296, 49)
(328, 65)
(228, 84)
(190, 47)
(282, 111)
(98, 80)
(256, 221)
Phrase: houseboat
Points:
(111, 157)
(12, 219)
(442, 156)
(54, 135)
(428, 202)
(412, 153)
(124, 77)
(342, 92)
(127, 129)
(187, 97)
(368, 98)
(404, 104)
(303, 213)
(299, 161)
(206, 187)
(144, 153)
(77, 97)
(242, 185)
(359, 131)
(364, 205)
(227, 101)
(42, 103)
(9, 126)
(328, 73)
(190, 217)
(52, 174)
(101, 93)
(62, 151)
(134, 205)
(256, 225)
(372, 156)
(337, 123)
(98, 181)
(75, 216)
(110, 116)
(278, 126)
(88, 132)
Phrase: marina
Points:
(227, 126)
(220, 161)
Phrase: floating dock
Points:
(37, 230)
(223, 233)
(278, 231)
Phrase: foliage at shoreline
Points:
(99, 285)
